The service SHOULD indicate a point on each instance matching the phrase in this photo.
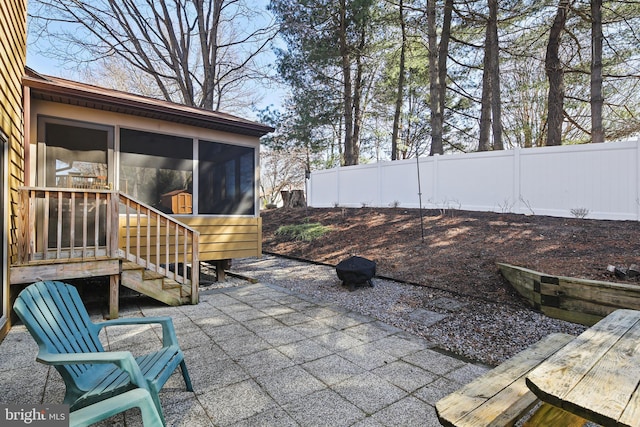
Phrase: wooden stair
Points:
(154, 285)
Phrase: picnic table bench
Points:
(501, 397)
(596, 375)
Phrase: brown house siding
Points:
(12, 63)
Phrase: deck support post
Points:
(221, 265)
(114, 294)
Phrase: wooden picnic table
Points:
(597, 375)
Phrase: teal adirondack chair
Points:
(138, 397)
(67, 339)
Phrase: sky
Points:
(271, 96)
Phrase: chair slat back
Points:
(58, 320)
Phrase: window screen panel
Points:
(226, 179)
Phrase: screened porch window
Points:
(226, 179)
(76, 156)
(73, 154)
(157, 169)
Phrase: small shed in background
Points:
(177, 201)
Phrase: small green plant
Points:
(306, 232)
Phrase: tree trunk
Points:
(555, 74)
(484, 142)
(400, 94)
(286, 197)
(494, 60)
(434, 93)
(209, 50)
(293, 199)
(597, 99)
(358, 89)
(350, 156)
(443, 54)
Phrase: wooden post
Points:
(23, 227)
(195, 267)
(114, 294)
(221, 264)
(113, 230)
(259, 234)
(113, 224)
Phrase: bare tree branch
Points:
(197, 52)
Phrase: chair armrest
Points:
(122, 359)
(168, 332)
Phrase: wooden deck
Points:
(70, 233)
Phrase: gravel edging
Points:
(472, 328)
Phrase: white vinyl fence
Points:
(599, 181)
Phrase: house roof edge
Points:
(67, 91)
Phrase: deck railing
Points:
(65, 224)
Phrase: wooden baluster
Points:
(59, 229)
(128, 227)
(176, 251)
(72, 227)
(45, 224)
(158, 234)
(85, 214)
(138, 257)
(96, 225)
(110, 212)
(148, 238)
(184, 253)
(166, 247)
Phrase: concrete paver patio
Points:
(259, 355)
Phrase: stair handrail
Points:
(183, 236)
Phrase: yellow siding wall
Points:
(226, 238)
(12, 63)
(220, 237)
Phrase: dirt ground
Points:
(460, 249)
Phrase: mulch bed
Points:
(456, 250)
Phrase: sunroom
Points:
(113, 176)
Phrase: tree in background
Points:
(375, 79)
(196, 52)
(400, 95)
(443, 54)
(490, 111)
(535, 79)
(555, 74)
(280, 171)
(330, 44)
(597, 99)
(434, 80)
(287, 155)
